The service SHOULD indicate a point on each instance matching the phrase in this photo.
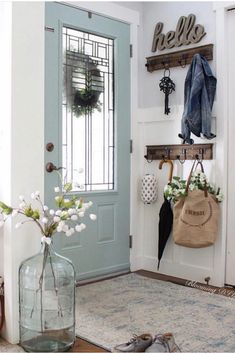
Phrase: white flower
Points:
(69, 232)
(61, 224)
(44, 220)
(58, 212)
(1, 223)
(220, 197)
(56, 219)
(59, 229)
(93, 217)
(182, 191)
(18, 225)
(165, 188)
(52, 212)
(21, 198)
(65, 228)
(71, 211)
(35, 195)
(22, 205)
(78, 228)
(57, 198)
(83, 226)
(72, 230)
(81, 214)
(45, 208)
(57, 189)
(90, 203)
(74, 217)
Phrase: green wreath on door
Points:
(86, 94)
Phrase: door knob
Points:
(50, 167)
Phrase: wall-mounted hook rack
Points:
(178, 58)
(179, 152)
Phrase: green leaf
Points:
(6, 209)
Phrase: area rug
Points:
(111, 311)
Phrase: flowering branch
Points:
(70, 210)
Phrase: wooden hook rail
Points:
(179, 152)
(178, 58)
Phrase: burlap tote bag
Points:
(196, 217)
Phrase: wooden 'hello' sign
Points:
(186, 33)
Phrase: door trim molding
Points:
(221, 13)
(107, 9)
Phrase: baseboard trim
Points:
(101, 278)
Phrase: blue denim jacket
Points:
(199, 94)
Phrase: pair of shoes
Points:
(136, 344)
(145, 343)
(164, 343)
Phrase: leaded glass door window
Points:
(88, 109)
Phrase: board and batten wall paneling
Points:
(156, 128)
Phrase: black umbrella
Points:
(165, 218)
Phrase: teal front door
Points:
(87, 127)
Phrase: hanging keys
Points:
(167, 86)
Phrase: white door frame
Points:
(220, 9)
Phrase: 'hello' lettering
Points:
(186, 33)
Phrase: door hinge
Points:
(89, 14)
(131, 146)
(49, 29)
(130, 241)
(131, 51)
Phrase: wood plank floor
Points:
(84, 346)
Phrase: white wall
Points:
(169, 13)
(5, 116)
(23, 128)
(156, 128)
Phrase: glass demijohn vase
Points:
(47, 302)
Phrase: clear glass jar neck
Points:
(47, 247)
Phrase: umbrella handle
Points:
(171, 167)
